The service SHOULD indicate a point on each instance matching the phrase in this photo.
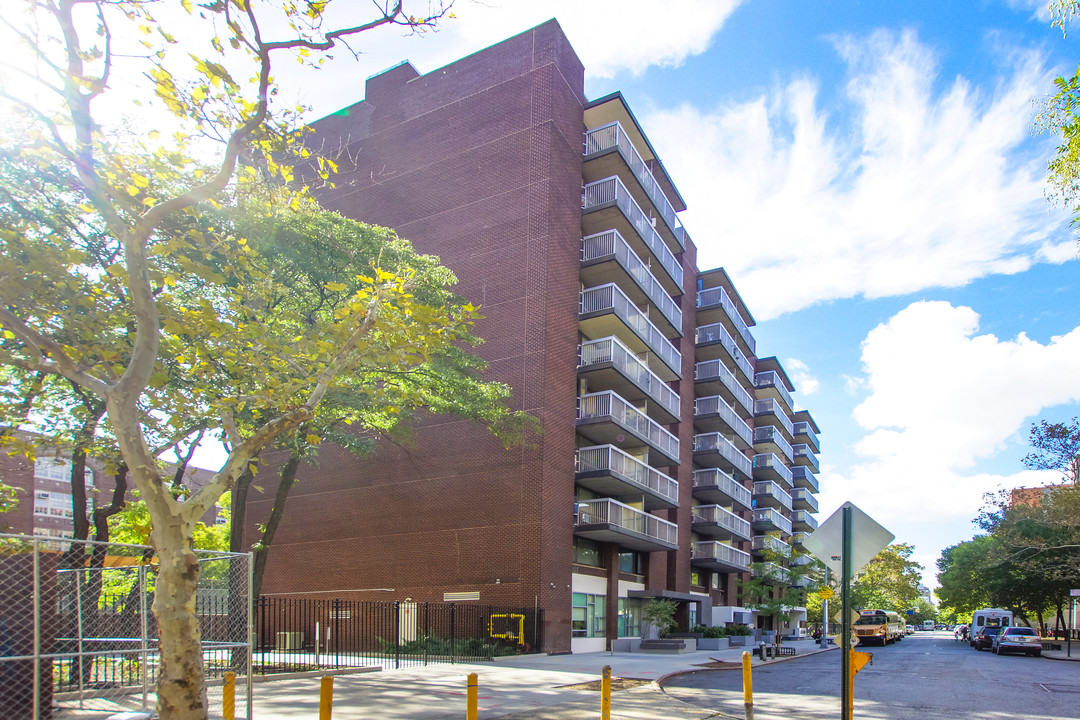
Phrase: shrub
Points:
(739, 630)
(714, 631)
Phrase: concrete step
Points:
(669, 646)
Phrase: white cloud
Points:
(922, 188)
(805, 383)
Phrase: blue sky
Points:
(868, 174)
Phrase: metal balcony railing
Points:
(804, 453)
(768, 488)
(804, 495)
(612, 190)
(611, 244)
(719, 296)
(803, 477)
(611, 298)
(613, 136)
(708, 370)
(769, 462)
(805, 518)
(611, 350)
(768, 516)
(717, 333)
(608, 404)
(768, 542)
(716, 515)
(715, 551)
(608, 458)
(715, 442)
(770, 570)
(803, 428)
(717, 478)
(605, 511)
(716, 405)
(772, 379)
(768, 407)
(768, 434)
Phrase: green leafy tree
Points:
(180, 306)
(1059, 116)
(890, 581)
(1057, 447)
(772, 589)
(659, 613)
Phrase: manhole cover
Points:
(1075, 689)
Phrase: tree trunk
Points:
(285, 485)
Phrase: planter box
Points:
(713, 643)
(740, 640)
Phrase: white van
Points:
(988, 617)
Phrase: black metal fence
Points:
(298, 634)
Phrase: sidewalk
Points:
(516, 688)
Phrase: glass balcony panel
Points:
(710, 372)
(608, 470)
(714, 405)
(611, 244)
(805, 456)
(767, 410)
(715, 447)
(611, 190)
(770, 570)
(717, 556)
(609, 407)
(607, 520)
(715, 485)
(611, 350)
(717, 334)
(770, 494)
(716, 520)
(767, 437)
(771, 381)
(719, 296)
(768, 519)
(769, 467)
(804, 433)
(803, 499)
(763, 543)
(611, 298)
(802, 477)
(803, 520)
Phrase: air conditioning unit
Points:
(290, 640)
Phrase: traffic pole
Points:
(846, 700)
(747, 686)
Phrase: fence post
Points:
(397, 634)
(250, 693)
(37, 630)
(144, 632)
(453, 637)
(427, 630)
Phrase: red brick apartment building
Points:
(670, 453)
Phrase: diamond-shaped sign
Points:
(868, 538)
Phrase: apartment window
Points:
(59, 470)
(696, 578)
(587, 615)
(629, 617)
(587, 552)
(632, 562)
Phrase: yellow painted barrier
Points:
(858, 661)
(228, 697)
(747, 686)
(470, 697)
(326, 697)
(605, 694)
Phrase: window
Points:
(629, 617)
(631, 562)
(696, 578)
(587, 615)
(587, 552)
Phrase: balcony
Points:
(619, 369)
(607, 470)
(801, 477)
(769, 412)
(805, 457)
(718, 297)
(805, 434)
(597, 310)
(611, 137)
(607, 520)
(803, 521)
(767, 520)
(715, 555)
(713, 414)
(713, 377)
(604, 254)
(797, 541)
(717, 521)
(716, 486)
(715, 450)
(798, 581)
(603, 417)
(801, 499)
(714, 342)
(764, 545)
(607, 204)
(799, 560)
(769, 467)
(770, 439)
(770, 570)
(770, 494)
(771, 384)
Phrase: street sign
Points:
(1075, 592)
(825, 593)
(868, 538)
(852, 616)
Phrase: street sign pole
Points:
(825, 614)
(845, 625)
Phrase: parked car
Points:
(985, 637)
(1017, 639)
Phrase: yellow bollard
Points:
(470, 697)
(747, 686)
(326, 697)
(605, 694)
(228, 697)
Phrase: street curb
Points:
(664, 678)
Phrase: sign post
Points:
(846, 700)
(1073, 594)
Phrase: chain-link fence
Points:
(78, 637)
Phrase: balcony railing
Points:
(712, 552)
(608, 405)
(804, 455)
(767, 434)
(712, 480)
(605, 511)
(766, 464)
(768, 492)
(719, 296)
(611, 298)
(803, 477)
(767, 407)
(716, 333)
(627, 468)
(772, 571)
(612, 190)
(761, 543)
(722, 517)
(768, 516)
(710, 370)
(804, 519)
(803, 428)
(770, 379)
(717, 443)
(611, 244)
(611, 350)
(802, 499)
(716, 405)
(612, 135)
